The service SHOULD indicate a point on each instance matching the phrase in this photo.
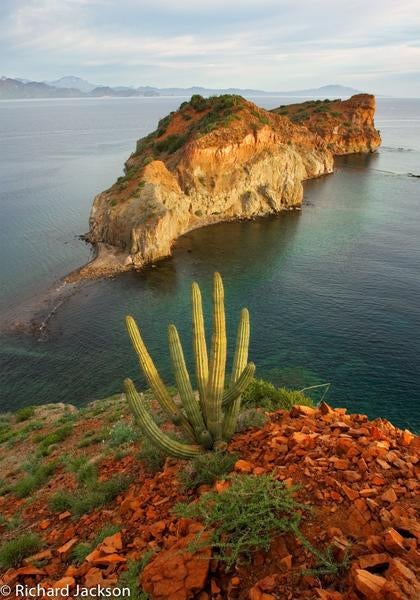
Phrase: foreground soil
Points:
(360, 478)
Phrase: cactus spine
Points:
(212, 417)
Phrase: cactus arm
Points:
(152, 431)
(199, 346)
(239, 364)
(189, 402)
(240, 385)
(216, 379)
(154, 380)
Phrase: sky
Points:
(275, 45)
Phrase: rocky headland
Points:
(219, 159)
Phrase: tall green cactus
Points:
(210, 419)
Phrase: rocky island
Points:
(219, 159)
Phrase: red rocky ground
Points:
(359, 476)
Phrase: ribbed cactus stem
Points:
(239, 363)
(239, 386)
(189, 402)
(152, 431)
(216, 379)
(156, 384)
(199, 346)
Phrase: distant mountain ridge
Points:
(76, 87)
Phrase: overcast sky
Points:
(267, 44)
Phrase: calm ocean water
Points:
(333, 291)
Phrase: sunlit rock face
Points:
(218, 160)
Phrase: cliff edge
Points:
(219, 159)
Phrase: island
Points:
(217, 159)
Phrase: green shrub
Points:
(92, 437)
(88, 498)
(151, 455)
(245, 517)
(131, 576)
(38, 475)
(122, 433)
(163, 124)
(55, 437)
(85, 470)
(24, 413)
(265, 395)
(171, 144)
(206, 469)
(14, 551)
(321, 109)
(198, 102)
(80, 551)
(249, 418)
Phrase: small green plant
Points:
(84, 469)
(89, 497)
(265, 395)
(198, 102)
(131, 576)
(82, 549)
(245, 517)
(209, 420)
(206, 469)
(171, 143)
(24, 413)
(151, 455)
(249, 418)
(92, 437)
(14, 551)
(47, 442)
(38, 475)
(122, 433)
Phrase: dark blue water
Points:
(333, 290)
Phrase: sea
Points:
(333, 290)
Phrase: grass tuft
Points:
(206, 469)
(91, 496)
(14, 551)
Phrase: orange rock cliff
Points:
(220, 159)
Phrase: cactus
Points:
(209, 420)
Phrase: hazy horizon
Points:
(275, 46)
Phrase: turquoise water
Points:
(333, 290)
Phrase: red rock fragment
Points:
(64, 515)
(369, 561)
(299, 410)
(176, 574)
(243, 466)
(64, 550)
(393, 541)
(368, 584)
(111, 544)
(44, 524)
(109, 559)
(389, 496)
(350, 493)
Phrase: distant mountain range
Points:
(75, 87)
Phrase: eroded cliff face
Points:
(347, 126)
(213, 160)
